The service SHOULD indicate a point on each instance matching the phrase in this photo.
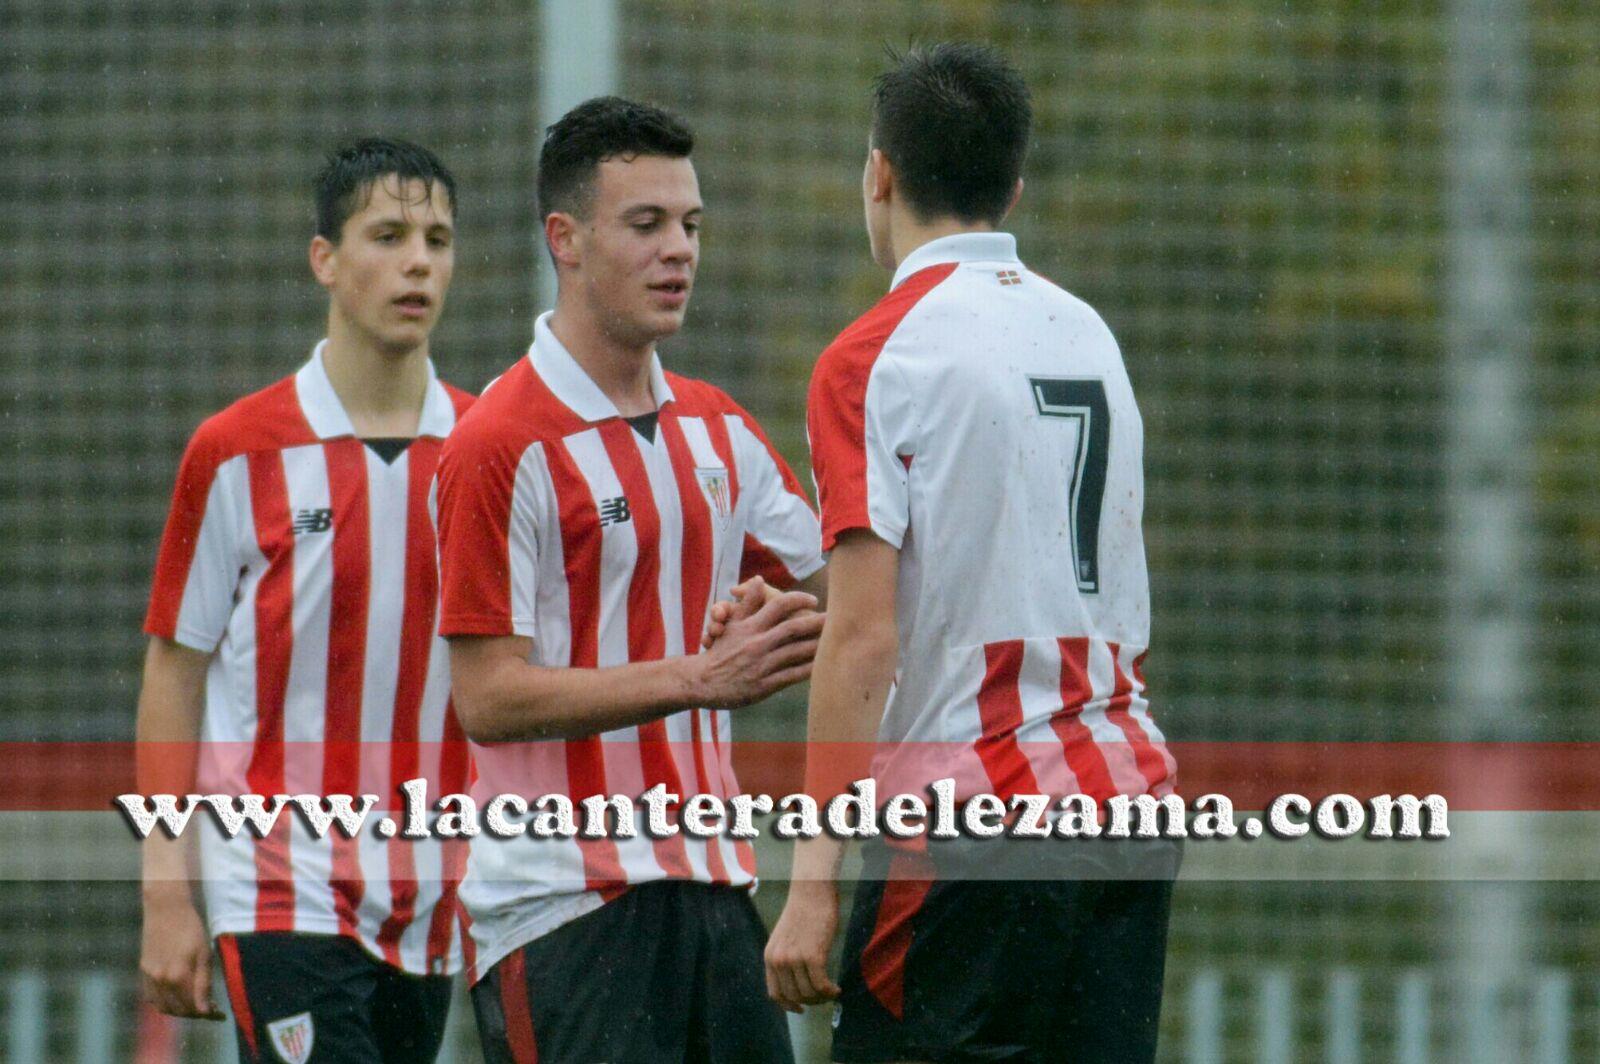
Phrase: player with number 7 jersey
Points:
(979, 419)
(978, 457)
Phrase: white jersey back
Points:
(980, 419)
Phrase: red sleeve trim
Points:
(266, 420)
(759, 561)
(836, 405)
(476, 482)
(176, 556)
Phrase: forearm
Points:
(849, 687)
(171, 702)
(175, 949)
(501, 697)
(509, 700)
(817, 584)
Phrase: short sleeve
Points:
(202, 550)
(488, 542)
(860, 424)
(783, 542)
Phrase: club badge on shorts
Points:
(714, 482)
(292, 1037)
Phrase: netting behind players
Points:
(1253, 196)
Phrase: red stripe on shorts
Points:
(233, 978)
(515, 1009)
(883, 962)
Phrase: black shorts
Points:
(965, 969)
(302, 997)
(669, 971)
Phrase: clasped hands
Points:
(760, 642)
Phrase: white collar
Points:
(326, 414)
(572, 385)
(958, 247)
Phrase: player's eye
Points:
(439, 241)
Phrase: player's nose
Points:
(677, 246)
(417, 262)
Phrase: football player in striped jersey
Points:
(592, 507)
(292, 634)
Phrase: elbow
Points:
(477, 716)
(481, 712)
(489, 714)
(484, 684)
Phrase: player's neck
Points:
(907, 233)
(620, 370)
(381, 391)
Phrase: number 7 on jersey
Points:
(1082, 399)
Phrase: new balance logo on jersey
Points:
(615, 511)
(1008, 277)
(307, 521)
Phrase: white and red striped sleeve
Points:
(861, 424)
(783, 542)
(476, 483)
(201, 555)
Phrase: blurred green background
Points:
(1254, 196)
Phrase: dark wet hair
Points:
(954, 121)
(346, 180)
(594, 131)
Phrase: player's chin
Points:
(407, 337)
(666, 321)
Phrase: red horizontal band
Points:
(1470, 776)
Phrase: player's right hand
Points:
(175, 957)
(796, 955)
(760, 649)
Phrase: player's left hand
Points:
(747, 598)
(797, 952)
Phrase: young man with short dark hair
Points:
(977, 452)
(291, 629)
(592, 507)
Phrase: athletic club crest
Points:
(292, 1037)
(714, 482)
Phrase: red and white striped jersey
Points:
(980, 420)
(308, 564)
(561, 522)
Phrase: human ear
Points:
(563, 238)
(322, 254)
(881, 179)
